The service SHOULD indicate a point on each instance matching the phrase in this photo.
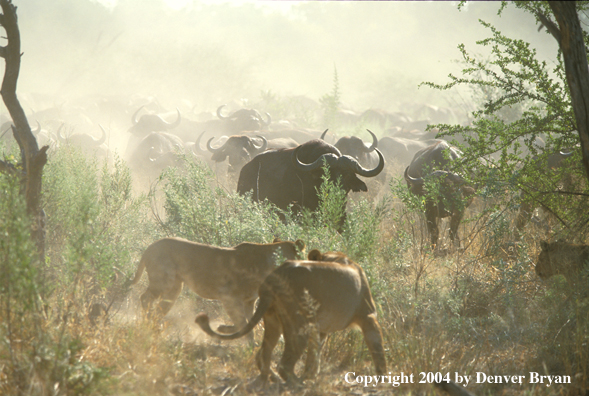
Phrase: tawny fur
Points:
(304, 301)
(230, 275)
(562, 258)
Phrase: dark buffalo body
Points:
(232, 124)
(356, 148)
(293, 176)
(151, 123)
(432, 162)
(238, 150)
(155, 152)
(402, 150)
(244, 120)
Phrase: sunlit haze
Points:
(197, 55)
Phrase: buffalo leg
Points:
(454, 223)
(432, 227)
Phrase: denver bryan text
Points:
(534, 378)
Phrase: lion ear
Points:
(315, 255)
(276, 240)
(300, 245)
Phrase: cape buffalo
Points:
(86, 142)
(356, 148)
(151, 123)
(244, 120)
(238, 149)
(432, 162)
(293, 176)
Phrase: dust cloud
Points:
(197, 55)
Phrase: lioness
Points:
(230, 275)
(564, 258)
(302, 296)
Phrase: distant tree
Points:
(33, 159)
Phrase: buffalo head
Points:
(151, 123)
(292, 177)
(238, 149)
(344, 166)
(449, 195)
(244, 120)
(356, 148)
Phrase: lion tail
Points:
(264, 303)
(138, 273)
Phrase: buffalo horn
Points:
(374, 142)
(102, 139)
(329, 157)
(370, 172)
(36, 131)
(59, 135)
(196, 147)
(213, 150)
(134, 118)
(267, 123)
(413, 180)
(171, 125)
(323, 134)
(221, 117)
(263, 146)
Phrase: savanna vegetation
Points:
(477, 308)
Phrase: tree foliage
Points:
(524, 119)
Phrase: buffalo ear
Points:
(544, 245)
(315, 255)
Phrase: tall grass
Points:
(476, 309)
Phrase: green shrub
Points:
(197, 211)
(94, 222)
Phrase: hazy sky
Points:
(205, 53)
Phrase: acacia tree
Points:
(33, 159)
(513, 81)
(572, 41)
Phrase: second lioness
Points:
(304, 301)
(230, 275)
(562, 258)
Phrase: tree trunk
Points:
(33, 159)
(570, 39)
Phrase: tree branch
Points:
(550, 26)
(8, 168)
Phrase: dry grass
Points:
(478, 309)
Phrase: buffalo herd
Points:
(276, 160)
